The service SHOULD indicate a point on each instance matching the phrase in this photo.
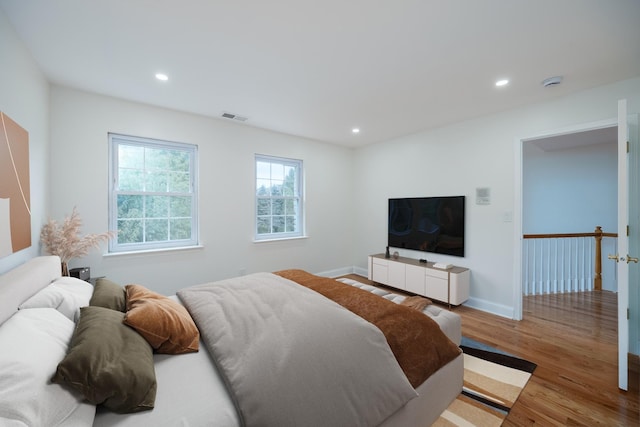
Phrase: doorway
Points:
(569, 195)
(562, 138)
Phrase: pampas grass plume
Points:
(65, 239)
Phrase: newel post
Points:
(597, 280)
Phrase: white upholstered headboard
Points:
(21, 283)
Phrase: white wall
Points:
(24, 96)
(80, 123)
(455, 160)
(571, 190)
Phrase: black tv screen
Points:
(430, 224)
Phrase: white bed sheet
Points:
(190, 394)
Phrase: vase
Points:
(65, 269)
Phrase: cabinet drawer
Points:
(379, 261)
(440, 274)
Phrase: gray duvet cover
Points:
(291, 357)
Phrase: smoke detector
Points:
(232, 116)
(552, 81)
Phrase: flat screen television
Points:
(430, 224)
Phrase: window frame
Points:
(115, 140)
(300, 217)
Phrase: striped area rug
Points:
(492, 383)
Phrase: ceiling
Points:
(606, 135)
(317, 69)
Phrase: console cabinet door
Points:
(437, 284)
(380, 272)
(459, 287)
(397, 274)
(415, 279)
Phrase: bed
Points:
(289, 350)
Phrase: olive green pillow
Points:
(108, 294)
(109, 362)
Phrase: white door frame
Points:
(518, 199)
(622, 251)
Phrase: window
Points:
(152, 194)
(278, 198)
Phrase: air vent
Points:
(551, 81)
(234, 117)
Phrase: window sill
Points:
(153, 251)
(282, 239)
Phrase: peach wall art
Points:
(15, 205)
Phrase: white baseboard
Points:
(337, 272)
(490, 307)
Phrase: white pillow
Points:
(33, 342)
(65, 294)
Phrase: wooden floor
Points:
(573, 340)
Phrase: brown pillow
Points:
(108, 294)
(416, 302)
(108, 362)
(165, 324)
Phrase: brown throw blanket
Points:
(416, 340)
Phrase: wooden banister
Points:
(597, 280)
(598, 234)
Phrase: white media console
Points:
(450, 286)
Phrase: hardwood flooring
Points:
(573, 340)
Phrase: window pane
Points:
(290, 206)
(290, 184)
(264, 206)
(156, 181)
(276, 188)
(180, 229)
(277, 171)
(278, 207)
(263, 187)
(156, 159)
(290, 223)
(130, 156)
(156, 230)
(130, 231)
(180, 207)
(263, 170)
(156, 207)
(130, 180)
(179, 182)
(264, 225)
(129, 206)
(179, 161)
(277, 225)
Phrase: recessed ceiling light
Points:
(502, 82)
(162, 77)
(355, 130)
